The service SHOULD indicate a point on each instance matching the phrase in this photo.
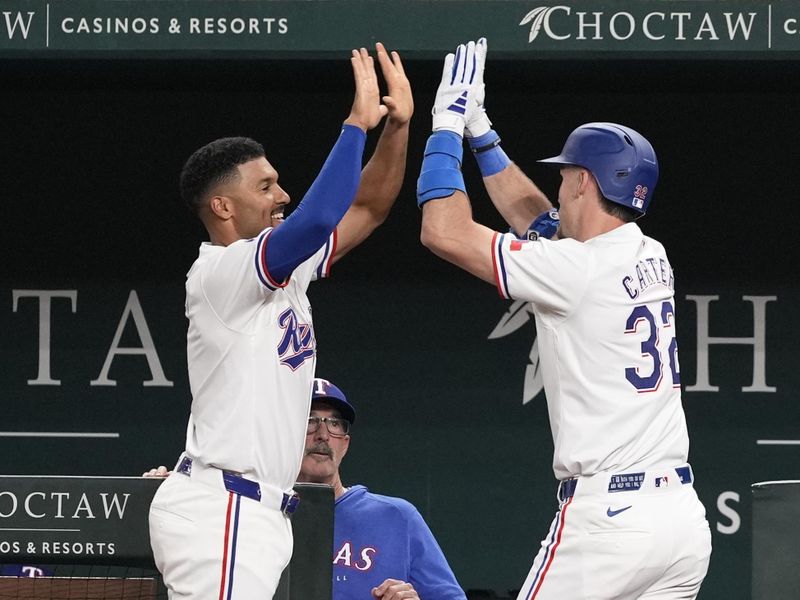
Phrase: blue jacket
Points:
(378, 537)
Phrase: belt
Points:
(235, 483)
(629, 482)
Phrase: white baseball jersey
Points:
(605, 321)
(251, 352)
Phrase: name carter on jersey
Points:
(649, 271)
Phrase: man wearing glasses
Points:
(382, 546)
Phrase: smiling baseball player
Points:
(629, 524)
(219, 526)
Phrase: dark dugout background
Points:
(91, 152)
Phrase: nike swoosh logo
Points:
(614, 513)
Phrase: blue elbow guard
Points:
(489, 155)
(544, 226)
(440, 175)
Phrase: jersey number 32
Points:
(660, 346)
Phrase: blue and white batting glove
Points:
(483, 140)
(477, 121)
(457, 88)
(545, 226)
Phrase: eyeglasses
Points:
(336, 427)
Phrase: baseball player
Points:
(629, 523)
(382, 546)
(219, 528)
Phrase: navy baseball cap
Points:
(326, 391)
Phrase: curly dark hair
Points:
(213, 164)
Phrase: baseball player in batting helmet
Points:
(629, 523)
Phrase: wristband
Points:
(489, 155)
(484, 142)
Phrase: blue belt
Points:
(624, 482)
(244, 487)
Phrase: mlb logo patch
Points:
(662, 481)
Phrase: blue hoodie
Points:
(378, 537)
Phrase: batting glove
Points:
(458, 86)
(477, 121)
(545, 226)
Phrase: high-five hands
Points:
(462, 81)
(399, 101)
(478, 122)
(367, 110)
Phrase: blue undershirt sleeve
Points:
(325, 203)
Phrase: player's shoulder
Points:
(389, 503)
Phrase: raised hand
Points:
(462, 73)
(478, 122)
(367, 110)
(399, 101)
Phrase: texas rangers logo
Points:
(298, 343)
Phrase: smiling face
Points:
(323, 452)
(253, 199)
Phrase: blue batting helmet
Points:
(622, 161)
(325, 391)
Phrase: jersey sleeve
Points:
(318, 265)
(553, 275)
(321, 261)
(429, 572)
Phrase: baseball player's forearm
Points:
(516, 197)
(380, 185)
(327, 200)
(449, 232)
(382, 177)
